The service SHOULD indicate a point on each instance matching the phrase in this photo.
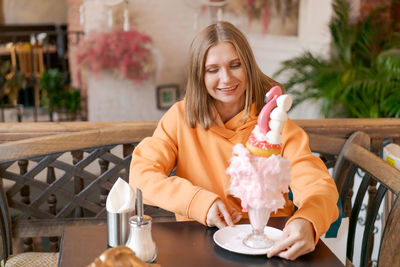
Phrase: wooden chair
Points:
(21, 259)
(30, 61)
(331, 152)
(355, 156)
(347, 157)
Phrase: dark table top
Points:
(182, 244)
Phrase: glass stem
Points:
(258, 231)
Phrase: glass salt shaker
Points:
(140, 239)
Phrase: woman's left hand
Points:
(297, 239)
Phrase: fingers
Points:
(281, 245)
(295, 251)
(235, 215)
(214, 215)
(225, 213)
(219, 216)
(220, 223)
(297, 240)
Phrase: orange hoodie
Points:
(201, 158)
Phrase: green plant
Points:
(57, 95)
(11, 81)
(360, 77)
(73, 102)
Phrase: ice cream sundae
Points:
(259, 174)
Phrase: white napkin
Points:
(121, 198)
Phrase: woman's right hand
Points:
(219, 216)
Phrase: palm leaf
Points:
(388, 62)
(360, 78)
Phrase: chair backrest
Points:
(355, 156)
(330, 150)
(5, 226)
(30, 63)
(328, 147)
(30, 59)
(346, 156)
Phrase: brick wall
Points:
(1, 12)
(396, 13)
(367, 5)
(94, 20)
(73, 39)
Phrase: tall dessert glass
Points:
(258, 220)
(260, 175)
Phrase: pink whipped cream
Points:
(258, 181)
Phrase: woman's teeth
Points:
(227, 88)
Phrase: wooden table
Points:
(182, 244)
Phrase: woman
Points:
(225, 92)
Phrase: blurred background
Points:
(125, 60)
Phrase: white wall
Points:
(34, 11)
(172, 26)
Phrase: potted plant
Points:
(360, 77)
(57, 94)
(11, 82)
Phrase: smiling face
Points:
(225, 79)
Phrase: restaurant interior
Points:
(76, 98)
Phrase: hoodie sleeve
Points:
(153, 159)
(314, 191)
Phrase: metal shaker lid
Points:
(139, 220)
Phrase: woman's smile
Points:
(228, 89)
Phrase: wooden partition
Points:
(377, 129)
(42, 143)
(61, 178)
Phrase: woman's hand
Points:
(219, 216)
(297, 240)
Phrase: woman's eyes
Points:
(236, 65)
(232, 66)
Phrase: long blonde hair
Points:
(198, 101)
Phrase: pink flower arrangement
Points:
(128, 53)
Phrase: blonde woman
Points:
(225, 92)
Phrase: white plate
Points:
(231, 238)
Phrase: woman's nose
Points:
(225, 75)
